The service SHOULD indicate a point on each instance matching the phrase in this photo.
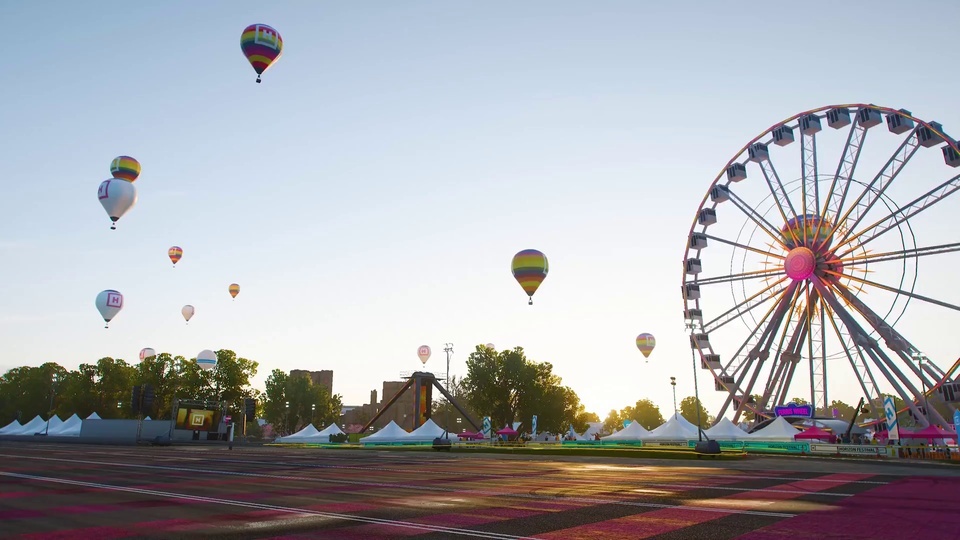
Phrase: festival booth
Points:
(69, 428)
(325, 433)
(427, 432)
(93, 416)
(725, 430)
(632, 434)
(390, 434)
(776, 437)
(301, 436)
(932, 433)
(471, 436)
(11, 427)
(814, 433)
(508, 433)
(674, 432)
(37, 425)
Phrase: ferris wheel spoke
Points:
(782, 361)
(743, 276)
(736, 362)
(759, 220)
(808, 165)
(900, 291)
(744, 247)
(873, 191)
(868, 383)
(901, 254)
(892, 220)
(845, 169)
(756, 300)
(816, 353)
(780, 195)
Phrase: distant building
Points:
(401, 412)
(322, 378)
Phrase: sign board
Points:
(956, 421)
(792, 409)
(627, 423)
(893, 430)
(533, 426)
(486, 427)
(848, 449)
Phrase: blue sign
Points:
(792, 409)
(956, 420)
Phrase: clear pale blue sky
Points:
(369, 194)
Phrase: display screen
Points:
(197, 419)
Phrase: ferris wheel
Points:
(804, 255)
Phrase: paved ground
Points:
(101, 492)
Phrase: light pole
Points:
(673, 383)
(447, 348)
(53, 389)
(918, 356)
(286, 416)
(313, 412)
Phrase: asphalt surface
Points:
(78, 491)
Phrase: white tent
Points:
(69, 428)
(592, 429)
(31, 427)
(10, 428)
(326, 432)
(390, 433)
(147, 419)
(93, 416)
(301, 435)
(778, 430)
(53, 423)
(426, 432)
(633, 432)
(677, 428)
(725, 430)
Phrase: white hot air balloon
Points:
(117, 197)
(424, 353)
(147, 353)
(491, 347)
(207, 359)
(187, 312)
(109, 303)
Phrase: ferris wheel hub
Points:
(800, 263)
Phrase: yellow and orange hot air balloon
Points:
(175, 253)
(646, 343)
(234, 289)
(530, 269)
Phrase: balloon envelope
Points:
(530, 268)
(234, 290)
(187, 312)
(147, 353)
(207, 359)
(117, 197)
(125, 168)
(109, 303)
(175, 253)
(424, 353)
(262, 45)
(646, 343)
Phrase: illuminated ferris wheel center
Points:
(808, 238)
(800, 263)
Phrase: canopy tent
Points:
(674, 429)
(426, 432)
(53, 423)
(300, 436)
(592, 429)
(929, 432)
(507, 430)
(471, 435)
(31, 427)
(778, 430)
(633, 432)
(389, 434)
(93, 416)
(816, 433)
(147, 419)
(332, 429)
(725, 430)
(11, 427)
(69, 428)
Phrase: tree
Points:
(844, 411)
(507, 386)
(443, 409)
(643, 412)
(688, 410)
(294, 402)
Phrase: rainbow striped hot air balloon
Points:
(530, 269)
(125, 168)
(175, 253)
(646, 343)
(262, 45)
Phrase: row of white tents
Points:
(311, 434)
(678, 428)
(55, 428)
(391, 433)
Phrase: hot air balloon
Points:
(262, 45)
(530, 269)
(187, 312)
(234, 290)
(207, 359)
(147, 353)
(109, 303)
(117, 197)
(491, 347)
(175, 253)
(424, 353)
(646, 343)
(125, 168)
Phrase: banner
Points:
(893, 430)
(486, 427)
(956, 420)
(533, 427)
